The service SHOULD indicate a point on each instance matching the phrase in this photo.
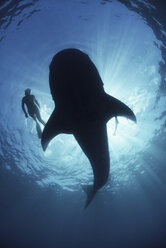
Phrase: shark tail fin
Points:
(90, 192)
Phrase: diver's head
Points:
(27, 92)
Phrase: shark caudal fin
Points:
(115, 108)
(92, 138)
(90, 193)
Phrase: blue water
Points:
(41, 196)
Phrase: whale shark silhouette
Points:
(82, 108)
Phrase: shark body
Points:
(82, 108)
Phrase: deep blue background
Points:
(41, 201)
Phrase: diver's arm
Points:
(23, 108)
(116, 125)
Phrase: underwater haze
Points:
(41, 198)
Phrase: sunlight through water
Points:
(126, 53)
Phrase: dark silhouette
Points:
(82, 108)
(33, 109)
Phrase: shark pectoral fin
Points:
(117, 108)
(51, 129)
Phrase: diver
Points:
(33, 109)
(116, 125)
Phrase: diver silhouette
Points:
(33, 109)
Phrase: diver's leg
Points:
(37, 113)
(38, 128)
(34, 117)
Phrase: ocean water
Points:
(41, 198)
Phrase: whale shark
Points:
(82, 108)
